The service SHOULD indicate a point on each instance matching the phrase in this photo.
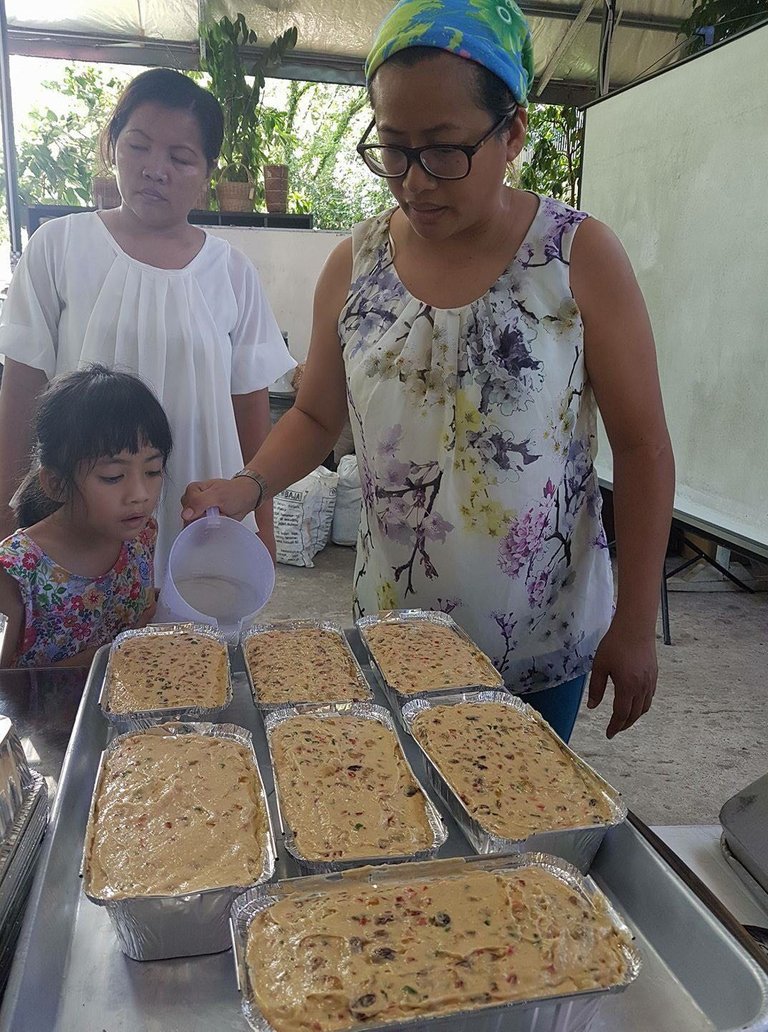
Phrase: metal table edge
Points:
(8, 1002)
(692, 881)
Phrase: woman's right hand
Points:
(234, 498)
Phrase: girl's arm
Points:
(621, 364)
(309, 429)
(20, 389)
(11, 605)
(253, 425)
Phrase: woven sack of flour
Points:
(303, 517)
(349, 499)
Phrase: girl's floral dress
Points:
(475, 433)
(65, 613)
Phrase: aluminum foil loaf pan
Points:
(397, 699)
(18, 858)
(155, 927)
(577, 845)
(365, 711)
(16, 777)
(362, 689)
(573, 1012)
(139, 719)
(19, 847)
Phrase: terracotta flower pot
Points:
(276, 188)
(203, 199)
(105, 193)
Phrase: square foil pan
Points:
(299, 625)
(541, 1014)
(139, 720)
(159, 927)
(366, 711)
(16, 778)
(398, 699)
(577, 845)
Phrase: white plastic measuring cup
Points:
(219, 573)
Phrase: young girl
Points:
(80, 568)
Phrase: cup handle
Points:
(213, 516)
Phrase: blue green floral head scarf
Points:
(493, 33)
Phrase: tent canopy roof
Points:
(334, 36)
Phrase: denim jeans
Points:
(560, 705)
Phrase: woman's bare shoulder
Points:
(334, 279)
(338, 264)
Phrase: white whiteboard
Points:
(678, 167)
(289, 262)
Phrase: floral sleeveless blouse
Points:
(475, 434)
(65, 613)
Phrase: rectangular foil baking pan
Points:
(576, 845)
(161, 926)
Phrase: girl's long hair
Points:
(82, 417)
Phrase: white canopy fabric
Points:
(334, 35)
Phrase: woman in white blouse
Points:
(139, 288)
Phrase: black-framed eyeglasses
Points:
(441, 161)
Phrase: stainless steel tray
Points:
(154, 927)
(542, 1012)
(744, 818)
(140, 719)
(577, 845)
(743, 872)
(398, 699)
(298, 625)
(701, 972)
(368, 712)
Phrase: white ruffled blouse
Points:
(195, 335)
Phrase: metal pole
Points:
(604, 53)
(9, 143)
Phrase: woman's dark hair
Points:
(82, 417)
(172, 90)
(489, 92)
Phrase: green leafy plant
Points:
(251, 131)
(552, 155)
(58, 152)
(327, 178)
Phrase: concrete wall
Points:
(289, 262)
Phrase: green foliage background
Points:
(57, 145)
(313, 127)
(552, 157)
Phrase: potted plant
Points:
(276, 140)
(276, 187)
(222, 56)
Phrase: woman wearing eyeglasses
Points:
(471, 330)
